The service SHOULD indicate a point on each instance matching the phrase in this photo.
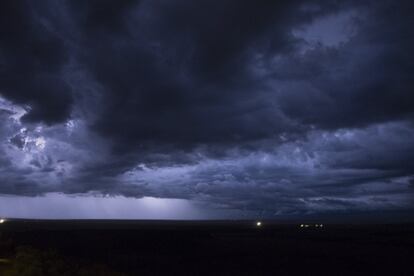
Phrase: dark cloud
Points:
(365, 80)
(282, 107)
(31, 59)
(411, 185)
(182, 70)
(101, 17)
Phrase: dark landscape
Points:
(203, 247)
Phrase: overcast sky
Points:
(206, 109)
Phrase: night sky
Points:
(206, 109)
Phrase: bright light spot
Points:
(321, 225)
(302, 225)
(40, 143)
(259, 223)
(2, 220)
(70, 126)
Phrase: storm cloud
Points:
(279, 108)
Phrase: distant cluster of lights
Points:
(259, 224)
(311, 225)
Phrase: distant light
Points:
(2, 220)
(302, 225)
(316, 225)
(259, 223)
(321, 225)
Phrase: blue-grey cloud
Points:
(283, 108)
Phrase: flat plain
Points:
(213, 247)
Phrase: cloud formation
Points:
(284, 108)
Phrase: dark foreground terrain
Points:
(194, 248)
